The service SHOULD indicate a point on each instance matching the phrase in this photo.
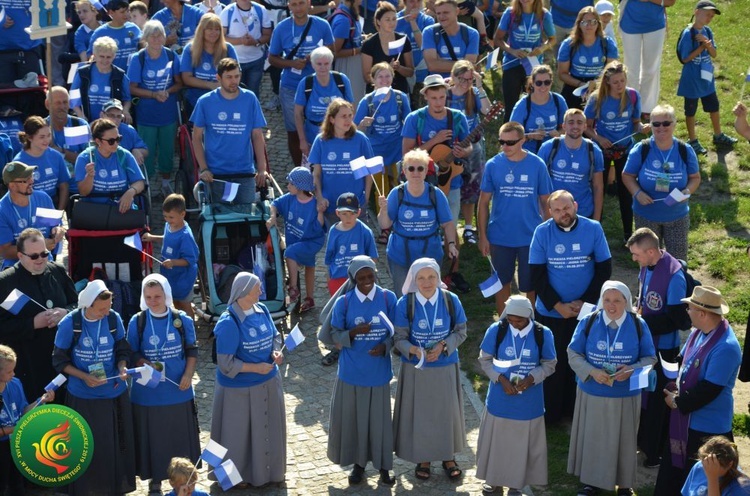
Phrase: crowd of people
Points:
(362, 81)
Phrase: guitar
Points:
(442, 155)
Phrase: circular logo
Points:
(701, 491)
(331, 156)
(87, 342)
(422, 324)
(380, 119)
(36, 175)
(22, 223)
(444, 50)
(611, 115)
(222, 116)
(582, 59)
(539, 121)
(561, 163)
(153, 340)
(408, 214)
(342, 250)
(510, 351)
(559, 249)
(150, 73)
(359, 320)
(103, 173)
(206, 66)
(654, 301)
(509, 178)
(177, 322)
(94, 88)
(52, 445)
(252, 332)
(601, 345)
(656, 164)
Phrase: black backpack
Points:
(681, 148)
(502, 331)
(337, 78)
(77, 316)
(440, 32)
(447, 299)
(556, 147)
(141, 325)
(555, 97)
(593, 317)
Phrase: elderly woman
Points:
(654, 170)
(314, 93)
(107, 172)
(428, 419)
(541, 111)
(514, 412)
(360, 422)
(525, 30)
(376, 50)
(415, 212)
(164, 417)
(91, 349)
(248, 26)
(338, 143)
(155, 79)
(606, 348)
(347, 43)
(200, 58)
(100, 81)
(584, 54)
(249, 417)
(613, 117)
(51, 175)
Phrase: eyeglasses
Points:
(465, 80)
(662, 123)
(35, 256)
(411, 168)
(589, 22)
(508, 142)
(112, 141)
(115, 116)
(545, 82)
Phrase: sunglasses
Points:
(508, 142)
(115, 116)
(36, 256)
(662, 123)
(112, 141)
(411, 168)
(589, 22)
(546, 82)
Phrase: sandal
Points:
(422, 471)
(307, 304)
(454, 471)
(330, 358)
(383, 237)
(293, 294)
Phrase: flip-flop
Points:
(453, 472)
(421, 471)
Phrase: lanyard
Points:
(98, 333)
(158, 350)
(664, 159)
(614, 341)
(523, 346)
(29, 215)
(431, 328)
(528, 26)
(8, 411)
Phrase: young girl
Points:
(303, 221)
(717, 472)
(182, 478)
(89, 22)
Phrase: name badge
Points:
(353, 247)
(624, 114)
(115, 173)
(170, 336)
(618, 346)
(376, 320)
(438, 322)
(424, 213)
(575, 165)
(103, 340)
(48, 171)
(526, 353)
(524, 178)
(576, 247)
(308, 38)
(345, 155)
(552, 118)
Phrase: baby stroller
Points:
(232, 239)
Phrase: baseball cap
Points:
(707, 5)
(116, 5)
(604, 7)
(110, 104)
(347, 202)
(17, 170)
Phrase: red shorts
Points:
(335, 284)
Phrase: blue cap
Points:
(301, 178)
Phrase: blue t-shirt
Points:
(15, 38)
(697, 78)
(356, 366)
(433, 126)
(460, 48)
(156, 75)
(459, 103)
(51, 170)
(588, 61)
(525, 33)
(564, 12)
(184, 27)
(696, 484)
(570, 258)
(660, 166)
(316, 105)
(82, 38)
(12, 126)
(180, 245)
(206, 71)
(416, 217)
(642, 17)
(676, 291)
(571, 170)
(127, 38)
(14, 403)
(617, 347)
(534, 117)
(385, 130)
(613, 123)
(14, 219)
(336, 176)
(251, 342)
(100, 91)
(113, 174)
(130, 138)
(228, 127)
(431, 324)
(719, 367)
(95, 349)
(403, 26)
(161, 341)
(300, 219)
(515, 188)
(530, 404)
(286, 36)
(343, 246)
(341, 27)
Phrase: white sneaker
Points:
(30, 80)
(272, 104)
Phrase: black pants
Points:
(670, 480)
(15, 64)
(514, 82)
(560, 387)
(654, 426)
(11, 480)
(624, 197)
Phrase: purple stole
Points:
(692, 362)
(658, 285)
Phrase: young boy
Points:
(695, 50)
(346, 239)
(606, 12)
(138, 13)
(179, 251)
(182, 478)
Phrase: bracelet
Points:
(635, 196)
(451, 243)
(134, 190)
(482, 96)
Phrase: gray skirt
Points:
(524, 464)
(603, 440)
(112, 468)
(360, 426)
(251, 423)
(352, 67)
(163, 432)
(428, 418)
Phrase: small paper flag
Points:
(75, 98)
(230, 191)
(359, 167)
(76, 135)
(15, 301)
(294, 338)
(48, 217)
(387, 322)
(639, 379)
(56, 383)
(397, 46)
(227, 475)
(670, 369)
(134, 241)
(491, 285)
(213, 453)
(492, 58)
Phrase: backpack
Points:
(605, 46)
(681, 148)
(77, 316)
(309, 81)
(692, 38)
(115, 80)
(593, 317)
(352, 22)
(433, 203)
(142, 58)
(437, 33)
(556, 146)
(555, 97)
(399, 103)
(214, 357)
(447, 299)
(632, 96)
(454, 119)
(141, 326)
(502, 331)
(690, 281)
